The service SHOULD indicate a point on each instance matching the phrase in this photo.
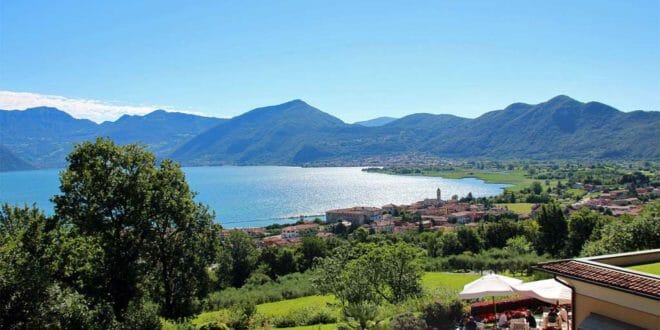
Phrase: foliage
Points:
(311, 248)
(24, 276)
(145, 222)
(553, 229)
(581, 228)
(390, 272)
(239, 260)
(305, 316)
(443, 315)
(285, 287)
(627, 234)
(407, 321)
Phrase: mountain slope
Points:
(162, 131)
(10, 162)
(44, 136)
(559, 128)
(295, 133)
(269, 135)
(376, 122)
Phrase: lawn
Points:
(281, 308)
(653, 268)
(219, 316)
(455, 281)
(518, 208)
(431, 281)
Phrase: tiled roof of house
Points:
(620, 279)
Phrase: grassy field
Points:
(517, 179)
(518, 208)
(455, 281)
(281, 308)
(219, 316)
(648, 268)
(431, 282)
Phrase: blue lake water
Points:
(247, 196)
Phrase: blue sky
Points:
(354, 59)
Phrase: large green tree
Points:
(581, 227)
(239, 258)
(553, 229)
(389, 272)
(106, 192)
(183, 242)
(142, 217)
(24, 275)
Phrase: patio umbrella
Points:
(490, 285)
(549, 291)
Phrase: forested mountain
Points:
(10, 162)
(295, 133)
(291, 132)
(43, 136)
(162, 131)
(559, 128)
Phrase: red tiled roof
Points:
(645, 285)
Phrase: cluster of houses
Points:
(431, 214)
(619, 202)
(435, 214)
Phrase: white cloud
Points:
(94, 110)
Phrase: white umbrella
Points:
(490, 285)
(549, 291)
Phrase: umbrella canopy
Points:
(549, 291)
(489, 285)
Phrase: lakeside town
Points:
(436, 214)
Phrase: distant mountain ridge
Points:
(296, 133)
(380, 121)
(43, 136)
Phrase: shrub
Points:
(407, 321)
(442, 315)
(141, 316)
(214, 326)
(307, 316)
(242, 316)
(286, 287)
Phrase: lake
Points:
(249, 196)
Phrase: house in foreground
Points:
(606, 295)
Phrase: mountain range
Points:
(295, 133)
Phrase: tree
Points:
(553, 229)
(496, 234)
(184, 242)
(139, 226)
(24, 270)
(449, 244)
(310, 249)
(518, 245)
(106, 192)
(469, 239)
(581, 226)
(536, 187)
(392, 273)
(240, 259)
(628, 234)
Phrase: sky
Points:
(353, 59)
